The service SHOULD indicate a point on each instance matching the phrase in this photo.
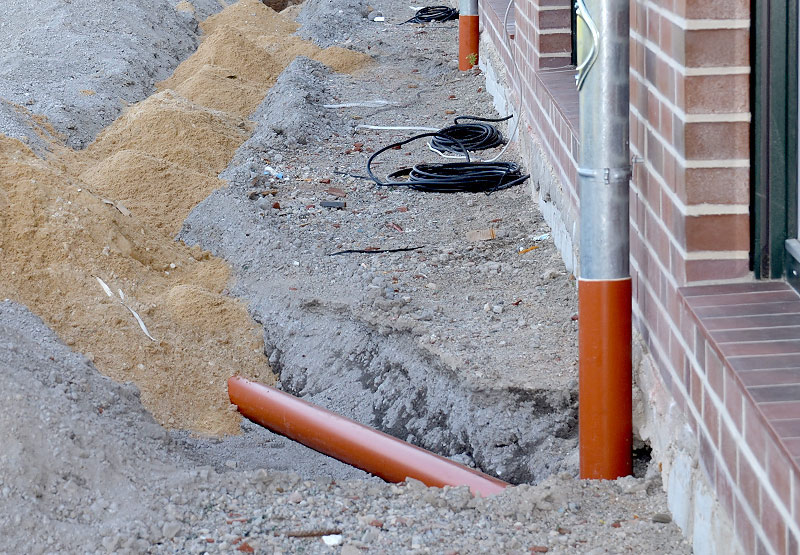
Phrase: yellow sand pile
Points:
(110, 212)
(246, 48)
(150, 185)
(57, 236)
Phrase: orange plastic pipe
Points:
(350, 442)
(604, 414)
(468, 40)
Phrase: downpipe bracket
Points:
(607, 175)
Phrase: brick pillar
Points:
(552, 42)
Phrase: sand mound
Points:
(230, 48)
(56, 236)
(343, 60)
(110, 211)
(184, 6)
(170, 127)
(153, 189)
(220, 89)
(284, 49)
(252, 18)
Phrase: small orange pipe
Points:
(350, 442)
(468, 40)
(604, 413)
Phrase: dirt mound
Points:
(220, 89)
(330, 22)
(51, 51)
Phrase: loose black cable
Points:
(468, 177)
(433, 13)
(474, 136)
(375, 251)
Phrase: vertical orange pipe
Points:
(605, 406)
(468, 40)
(348, 441)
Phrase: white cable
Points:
(397, 127)
(364, 104)
(513, 78)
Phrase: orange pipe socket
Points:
(350, 442)
(468, 39)
(604, 413)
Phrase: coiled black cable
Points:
(473, 136)
(433, 13)
(458, 177)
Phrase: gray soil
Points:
(467, 348)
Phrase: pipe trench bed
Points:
(341, 438)
(383, 381)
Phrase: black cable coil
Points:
(473, 136)
(433, 13)
(466, 177)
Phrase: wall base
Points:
(657, 419)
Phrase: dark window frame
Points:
(773, 168)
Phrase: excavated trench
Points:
(344, 351)
(383, 379)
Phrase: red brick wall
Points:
(689, 92)
(690, 127)
(690, 224)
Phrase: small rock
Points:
(295, 497)
(662, 518)
(549, 274)
(374, 14)
(170, 529)
(497, 309)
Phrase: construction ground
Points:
(163, 169)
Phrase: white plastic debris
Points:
(332, 540)
(139, 320)
(269, 170)
(105, 287)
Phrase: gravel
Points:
(85, 469)
(464, 347)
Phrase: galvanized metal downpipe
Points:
(604, 285)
